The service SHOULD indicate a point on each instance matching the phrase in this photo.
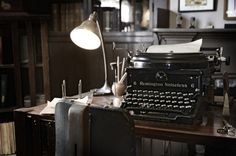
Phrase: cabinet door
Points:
(34, 63)
(41, 137)
(24, 78)
(47, 134)
(9, 67)
(33, 137)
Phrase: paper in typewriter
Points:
(191, 47)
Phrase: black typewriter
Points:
(168, 87)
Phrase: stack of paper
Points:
(50, 108)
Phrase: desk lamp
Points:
(88, 36)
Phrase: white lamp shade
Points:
(85, 39)
(86, 35)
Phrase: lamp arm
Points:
(103, 50)
(106, 88)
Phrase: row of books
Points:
(7, 138)
(110, 19)
(66, 16)
(40, 99)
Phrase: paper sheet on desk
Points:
(50, 108)
(191, 47)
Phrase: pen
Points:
(116, 75)
(118, 68)
(80, 89)
(123, 78)
(122, 67)
(63, 88)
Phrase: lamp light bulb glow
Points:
(85, 39)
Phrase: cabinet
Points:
(24, 79)
(23, 62)
(35, 134)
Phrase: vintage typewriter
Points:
(170, 87)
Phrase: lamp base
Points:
(106, 89)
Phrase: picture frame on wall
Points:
(196, 5)
(230, 9)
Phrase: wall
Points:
(82, 64)
(204, 19)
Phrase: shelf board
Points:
(38, 65)
(8, 16)
(136, 36)
(7, 66)
(181, 30)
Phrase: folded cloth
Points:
(61, 127)
(77, 129)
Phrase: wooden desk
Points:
(193, 134)
(196, 134)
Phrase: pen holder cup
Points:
(118, 89)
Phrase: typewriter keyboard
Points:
(164, 105)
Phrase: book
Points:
(70, 16)
(78, 14)
(56, 17)
(24, 58)
(67, 17)
(1, 143)
(4, 138)
(3, 89)
(63, 16)
(7, 138)
(12, 137)
(1, 51)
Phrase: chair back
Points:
(93, 131)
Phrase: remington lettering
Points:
(156, 84)
(152, 84)
(176, 85)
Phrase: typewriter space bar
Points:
(161, 116)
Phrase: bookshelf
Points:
(24, 68)
(114, 15)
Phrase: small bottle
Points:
(192, 23)
(179, 21)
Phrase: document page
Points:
(191, 47)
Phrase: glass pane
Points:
(142, 15)
(109, 14)
(6, 53)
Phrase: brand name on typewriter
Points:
(165, 84)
